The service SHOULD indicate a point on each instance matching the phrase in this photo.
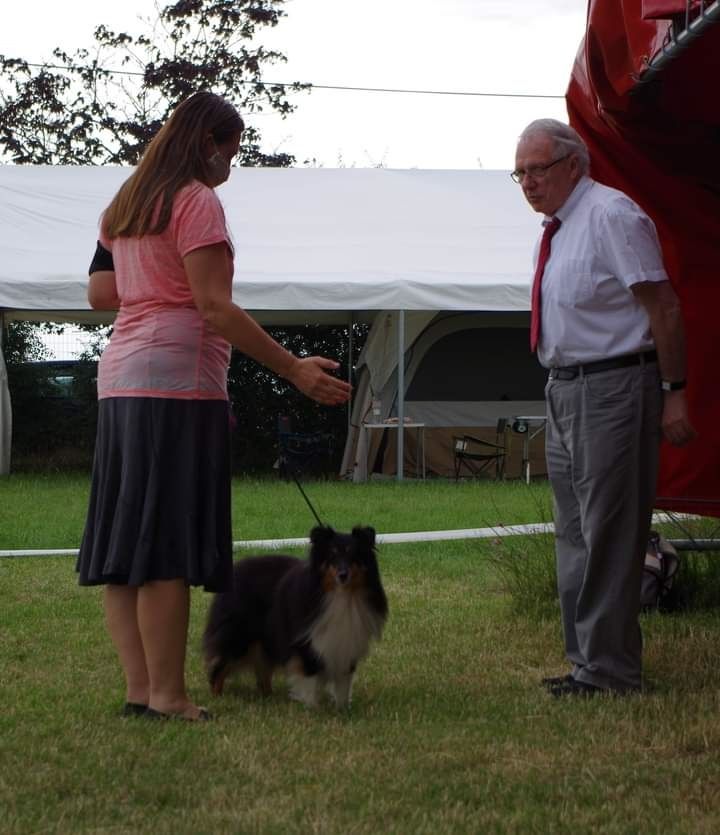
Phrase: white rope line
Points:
(298, 542)
(383, 538)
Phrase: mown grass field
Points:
(448, 732)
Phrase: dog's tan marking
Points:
(263, 669)
(329, 579)
(358, 577)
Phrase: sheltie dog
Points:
(315, 618)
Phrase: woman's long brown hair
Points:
(175, 156)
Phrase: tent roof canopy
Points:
(323, 240)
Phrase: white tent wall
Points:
(313, 242)
(312, 245)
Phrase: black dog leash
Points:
(309, 503)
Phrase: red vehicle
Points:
(643, 94)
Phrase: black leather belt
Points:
(570, 372)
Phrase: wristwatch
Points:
(666, 385)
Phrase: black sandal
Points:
(203, 715)
(133, 709)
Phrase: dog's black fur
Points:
(314, 617)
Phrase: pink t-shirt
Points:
(160, 346)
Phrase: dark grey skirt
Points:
(160, 496)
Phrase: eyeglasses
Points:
(537, 172)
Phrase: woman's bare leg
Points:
(163, 617)
(120, 604)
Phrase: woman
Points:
(159, 515)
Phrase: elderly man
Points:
(607, 325)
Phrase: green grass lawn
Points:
(48, 511)
(448, 732)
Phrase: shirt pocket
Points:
(574, 285)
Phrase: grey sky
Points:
(493, 46)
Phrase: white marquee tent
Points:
(313, 245)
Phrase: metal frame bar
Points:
(350, 326)
(401, 395)
(695, 544)
(679, 39)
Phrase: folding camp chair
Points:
(477, 456)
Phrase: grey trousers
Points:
(602, 443)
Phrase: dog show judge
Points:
(607, 325)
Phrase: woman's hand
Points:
(311, 376)
(209, 273)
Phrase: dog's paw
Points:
(217, 673)
(342, 692)
(305, 690)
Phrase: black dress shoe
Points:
(553, 681)
(577, 688)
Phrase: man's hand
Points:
(310, 375)
(676, 424)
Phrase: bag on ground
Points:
(661, 565)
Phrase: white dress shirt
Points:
(605, 245)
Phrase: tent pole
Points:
(401, 395)
(350, 371)
(5, 407)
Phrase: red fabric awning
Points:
(668, 8)
(658, 142)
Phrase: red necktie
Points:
(550, 229)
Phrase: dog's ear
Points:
(321, 535)
(365, 535)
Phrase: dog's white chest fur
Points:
(342, 633)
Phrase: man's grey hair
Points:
(565, 139)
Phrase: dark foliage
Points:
(54, 414)
(102, 105)
(21, 342)
(259, 398)
(55, 406)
